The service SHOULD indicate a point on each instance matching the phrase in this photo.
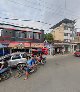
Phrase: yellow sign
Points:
(38, 45)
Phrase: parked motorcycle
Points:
(5, 73)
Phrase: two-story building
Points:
(63, 33)
(18, 38)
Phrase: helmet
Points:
(32, 55)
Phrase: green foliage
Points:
(48, 37)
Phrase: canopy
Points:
(2, 46)
(19, 45)
(34, 50)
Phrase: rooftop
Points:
(21, 24)
(63, 21)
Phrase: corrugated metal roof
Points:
(33, 24)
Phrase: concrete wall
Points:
(58, 33)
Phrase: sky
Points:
(46, 12)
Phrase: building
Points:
(20, 38)
(77, 37)
(63, 34)
(77, 40)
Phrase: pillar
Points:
(10, 50)
(73, 48)
(3, 51)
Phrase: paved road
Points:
(60, 74)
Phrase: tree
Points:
(48, 37)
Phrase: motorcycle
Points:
(42, 61)
(5, 73)
(21, 68)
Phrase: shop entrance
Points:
(58, 50)
(18, 50)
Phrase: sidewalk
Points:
(57, 55)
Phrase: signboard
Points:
(26, 44)
(19, 45)
(37, 45)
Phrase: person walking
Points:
(53, 51)
(62, 51)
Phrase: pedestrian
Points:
(62, 51)
(53, 51)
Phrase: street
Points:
(59, 74)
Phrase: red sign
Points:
(27, 44)
(14, 44)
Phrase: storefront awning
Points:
(2, 46)
(18, 45)
(13, 44)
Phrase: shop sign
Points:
(37, 45)
(27, 44)
(20, 46)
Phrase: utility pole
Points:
(65, 4)
(65, 8)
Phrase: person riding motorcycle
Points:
(39, 58)
(30, 65)
(1, 65)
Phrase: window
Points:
(20, 34)
(70, 35)
(65, 28)
(25, 34)
(17, 33)
(29, 35)
(66, 40)
(16, 57)
(65, 34)
(7, 58)
(24, 55)
(78, 34)
(71, 29)
(37, 36)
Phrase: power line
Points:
(54, 12)
(49, 9)
(36, 8)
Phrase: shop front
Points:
(60, 48)
(38, 47)
(25, 46)
(19, 47)
(67, 48)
